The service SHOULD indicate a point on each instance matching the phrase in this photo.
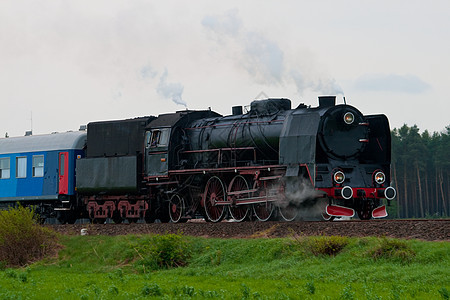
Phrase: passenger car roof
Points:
(47, 142)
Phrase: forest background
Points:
(420, 173)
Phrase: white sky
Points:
(66, 63)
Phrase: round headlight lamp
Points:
(349, 118)
(379, 177)
(339, 177)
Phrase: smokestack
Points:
(237, 110)
(327, 101)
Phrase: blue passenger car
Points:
(40, 168)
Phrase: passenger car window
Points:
(21, 167)
(62, 159)
(38, 165)
(4, 168)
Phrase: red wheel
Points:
(214, 194)
(264, 210)
(239, 212)
(176, 208)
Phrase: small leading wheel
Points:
(364, 215)
(238, 212)
(321, 205)
(327, 217)
(264, 210)
(213, 195)
(176, 208)
(365, 212)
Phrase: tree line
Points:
(420, 173)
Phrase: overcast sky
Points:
(66, 63)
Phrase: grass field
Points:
(125, 267)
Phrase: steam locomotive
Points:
(269, 162)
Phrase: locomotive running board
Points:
(339, 211)
(379, 212)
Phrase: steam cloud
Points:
(170, 90)
(147, 71)
(326, 86)
(262, 58)
(299, 190)
(301, 196)
(228, 24)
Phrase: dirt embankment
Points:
(431, 230)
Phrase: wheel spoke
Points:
(263, 211)
(176, 208)
(288, 212)
(214, 192)
(238, 212)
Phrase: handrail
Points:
(220, 150)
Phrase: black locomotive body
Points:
(270, 161)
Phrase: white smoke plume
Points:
(312, 212)
(297, 190)
(328, 86)
(261, 57)
(147, 71)
(170, 90)
(323, 85)
(227, 25)
(299, 195)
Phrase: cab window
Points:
(159, 138)
(164, 137)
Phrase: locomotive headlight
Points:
(339, 177)
(379, 177)
(349, 118)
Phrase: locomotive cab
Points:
(164, 142)
(157, 145)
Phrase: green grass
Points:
(102, 267)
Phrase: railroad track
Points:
(431, 230)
